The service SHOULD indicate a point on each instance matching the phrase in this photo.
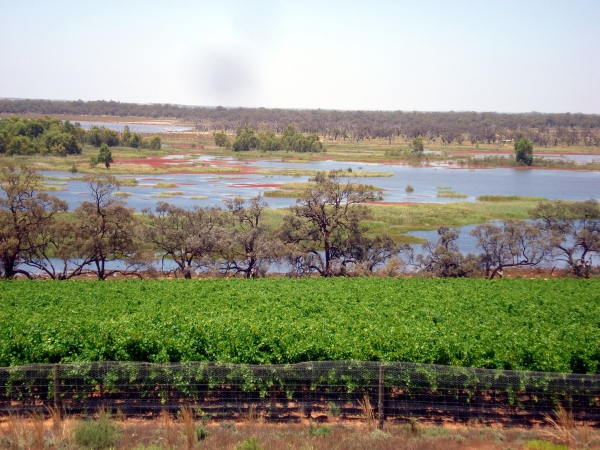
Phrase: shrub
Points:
(544, 445)
(334, 409)
(249, 444)
(201, 433)
(409, 188)
(319, 431)
(97, 434)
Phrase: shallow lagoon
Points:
(552, 184)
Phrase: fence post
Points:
(380, 406)
(57, 389)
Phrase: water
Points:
(136, 127)
(552, 184)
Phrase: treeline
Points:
(543, 129)
(290, 140)
(321, 235)
(51, 136)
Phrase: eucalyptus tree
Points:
(247, 246)
(444, 259)
(319, 228)
(187, 236)
(107, 231)
(24, 213)
(573, 232)
(514, 243)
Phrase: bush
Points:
(97, 434)
(249, 444)
(319, 431)
(544, 445)
(201, 433)
(334, 409)
(409, 188)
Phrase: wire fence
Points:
(352, 390)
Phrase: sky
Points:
(425, 55)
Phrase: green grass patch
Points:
(132, 182)
(165, 185)
(198, 197)
(508, 198)
(278, 193)
(450, 194)
(122, 194)
(167, 194)
(546, 325)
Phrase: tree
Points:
(106, 231)
(155, 143)
(572, 231)
(515, 243)
(247, 247)
(24, 213)
(125, 136)
(221, 139)
(524, 151)
(417, 146)
(246, 140)
(325, 217)
(104, 156)
(443, 258)
(187, 236)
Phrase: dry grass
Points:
(189, 426)
(562, 424)
(25, 432)
(367, 411)
(252, 416)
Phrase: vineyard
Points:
(539, 325)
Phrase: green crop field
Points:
(547, 325)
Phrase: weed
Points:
(252, 416)
(409, 188)
(380, 434)
(334, 409)
(249, 444)
(537, 444)
(414, 425)
(319, 431)
(97, 434)
(201, 433)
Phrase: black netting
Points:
(287, 392)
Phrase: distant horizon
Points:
(181, 105)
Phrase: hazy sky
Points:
(479, 55)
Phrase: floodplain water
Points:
(426, 181)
